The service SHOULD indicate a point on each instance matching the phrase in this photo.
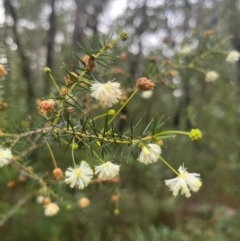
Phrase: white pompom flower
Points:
(184, 182)
(233, 57)
(5, 156)
(211, 76)
(149, 154)
(107, 170)
(51, 209)
(107, 94)
(79, 176)
(147, 94)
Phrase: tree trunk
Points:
(24, 60)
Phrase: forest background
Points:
(35, 34)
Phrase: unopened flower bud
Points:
(64, 90)
(123, 56)
(46, 201)
(47, 70)
(111, 112)
(3, 72)
(116, 212)
(83, 202)
(114, 198)
(123, 36)
(57, 173)
(195, 135)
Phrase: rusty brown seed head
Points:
(145, 84)
(89, 63)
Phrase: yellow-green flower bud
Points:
(116, 212)
(123, 36)
(47, 70)
(195, 135)
(98, 143)
(74, 146)
(111, 112)
(68, 207)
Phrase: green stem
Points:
(51, 154)
(123, 106)
(99, 116)
(73, 146)
(166, 163)
(94, 153)
(54, 82)
(173, 132)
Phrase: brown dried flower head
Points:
(123, 56)
(173, 73)
(89, 63)
(153, 59)
(3, 106)
(64, 90)
(57, 173)
(68, 79)
(11, 184)
(3, 72)
(145, 84)
(46, 107)
(208, 33)
(118, 70)
(70, 109)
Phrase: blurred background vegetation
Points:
(35, 34)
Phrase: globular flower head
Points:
(79, 176)
(123, 36)
(184, 182)
(5, 156)
(211, 76)
(195, 135)
(3, 72)
(145, 84)
(51, 209)
(149, 154)
(107, 170)
(46, 106)
(107, 94)
(233, 57)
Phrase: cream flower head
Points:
(185, 50)
(147, 94)
(107, 170)
(5, 156)
(51, 209)
(211, 76)
(149, 154)
(107, 94)
(233, 57)
(79, 176)
(184, 182)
